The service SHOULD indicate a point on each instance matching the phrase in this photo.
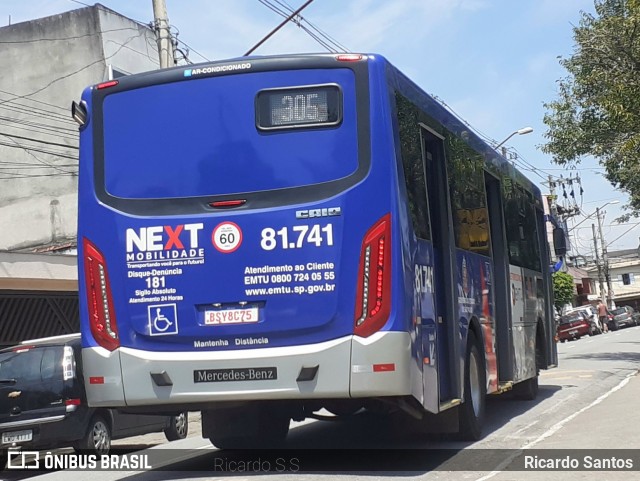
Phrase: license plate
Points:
(238, 374)
(575, 331)
(231, 316)
(17, 436)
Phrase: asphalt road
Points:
(588, 403)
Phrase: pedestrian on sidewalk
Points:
(603, 316)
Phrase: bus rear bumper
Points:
(341, 368)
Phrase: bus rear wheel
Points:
(247, 426)
(471, 411)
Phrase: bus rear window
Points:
(199, 137)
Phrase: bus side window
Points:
(468, 198)
(521, 228)
(413, 166)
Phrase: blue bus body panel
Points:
(172, 275)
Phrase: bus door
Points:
(446, 367)
(498, 348)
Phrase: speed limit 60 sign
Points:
(226, 237)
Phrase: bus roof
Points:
(494, 161)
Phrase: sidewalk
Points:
(610, 422)
(608, 427)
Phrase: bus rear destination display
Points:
(299, 107)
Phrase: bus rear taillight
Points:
(373, 295)
(99, 300)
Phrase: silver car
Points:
(622, 317)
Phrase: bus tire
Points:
(178, 427)
(97, 439)
(471, 411)
(251, 426)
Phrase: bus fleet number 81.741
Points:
(297, 238)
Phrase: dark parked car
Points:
(621, 317)
(635, 315)
(573, 326)
(43, 404)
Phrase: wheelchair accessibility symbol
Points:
(163, 320)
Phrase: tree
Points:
(563, 289)
(598, 110)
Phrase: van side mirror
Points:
(559, 241)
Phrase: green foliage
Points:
(563, 289)
(597, 112)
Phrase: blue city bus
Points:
(266, 237)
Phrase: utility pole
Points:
(605, 262)
(163, 35)
(553, 203)
(598, 264)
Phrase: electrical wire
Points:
(123, 45)
(38, 101)
(38, 131)
(21, 163)
(31, 139)
(30, 151)
(31, 176)
(319, 36)
(75, 37)
(340, 46)
(42, 128)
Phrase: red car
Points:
(573, 326)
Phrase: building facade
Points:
(45, 64)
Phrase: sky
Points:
(494, 63)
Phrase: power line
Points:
(30, 176)
(38, 131)
(42, 119)
(19, 163)
(24, 96)
(39, 115)
(31, 139)
(320, 36)
(37, 101)
(314, 27)
(30, 151)
(59, 131)
(75, 37)
(287, 19)
(189, 47)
